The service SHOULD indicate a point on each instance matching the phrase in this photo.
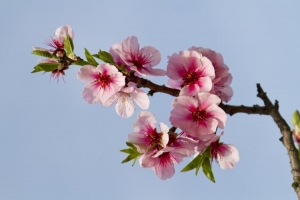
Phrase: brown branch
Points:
(287, 138)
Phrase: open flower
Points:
(191, 71)
(103, 82)
(145, 134)
(223, 79)
(57, 41)
(198, 115)
(140, 60)
(125, 98)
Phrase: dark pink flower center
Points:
(219, 149)
(165, 159)
(139, 59)
(155, 139)
(190, 77)
(54, 43)
(199, 115)
(102, 80)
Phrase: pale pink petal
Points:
(217, 113)
(107, 92)
(153, 53)
(174, 71)
(140, 98)
(62, 32)
(125, 107)
(90, 94)
(207, 99)
(146, 121)
(130, 44)
(107, 69)
(87, 73)
(228, 160)
(176, 84)
(147, 160)
(112, 99)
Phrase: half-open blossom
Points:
(140, 60)
(296, 134)
(57, 41)
(114, 53)
(103, 82)
(146, 135)
(198, 115)
(183, 143)
(223, 79)
(225, 154)
(125, 98)
(191, 71)
(162, 161)
(56, 73)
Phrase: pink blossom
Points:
(183, 143)
(145, 134)
(57, 41)
(225, 154)
(103, 82)
(140, 60)
(162, 161)
(114, 53)
(190, 70)
(56, 73)
(125, 98)
(223, 79)
(199, 115)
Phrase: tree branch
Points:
(287, 138)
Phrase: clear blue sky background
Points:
(53, 145)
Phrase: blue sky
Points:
(53, 145)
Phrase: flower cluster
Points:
(56, 44)
(199, 75)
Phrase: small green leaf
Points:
(44, 54)
(90, 58)
(195, 163)
(105, 57)
(68, 45)
(206, 168)
(80, 63)
(296, 118)
(129, 158)
(46, 67)
(132, 151)
(129, 144)
(129, 151)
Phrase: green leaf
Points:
(46, 67)
(44, 54)
(68, 45)
(90, 58)
(206, 168)
(105, 57)
(132, 151)
(129, 144)
(129, 151)
(296, 118)
(80, 63)
(195, 163)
